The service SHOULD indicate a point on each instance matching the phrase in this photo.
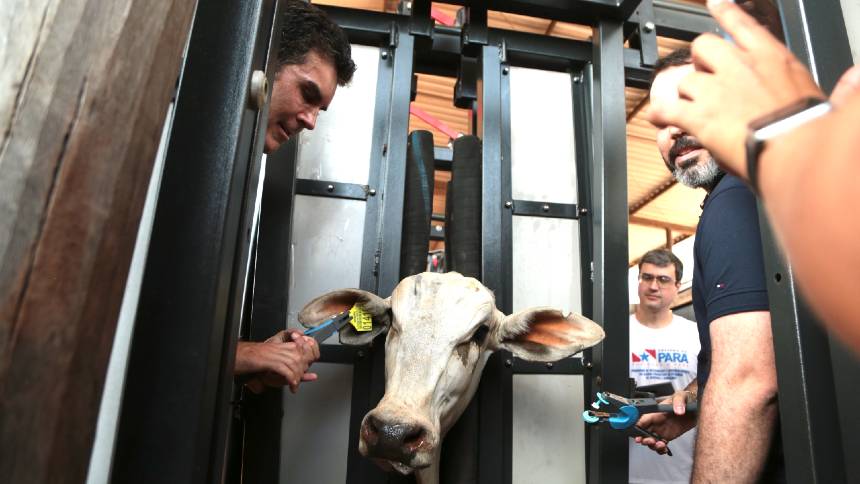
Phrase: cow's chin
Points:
(390, 465)
(417, 461)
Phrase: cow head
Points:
(441, 330)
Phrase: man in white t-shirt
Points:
(663, 349)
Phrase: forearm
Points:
(736, 420)
(808, 182)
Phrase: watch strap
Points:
(775, 124)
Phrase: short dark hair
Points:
(662, 258)
(678, 57)
(306, 28)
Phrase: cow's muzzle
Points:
(396, 440)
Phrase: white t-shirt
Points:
(657, 356)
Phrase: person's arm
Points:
(736, 84)
(819, 232)
(738, 411)
(670, 426)
(283, 359)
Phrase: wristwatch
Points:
(778, 123)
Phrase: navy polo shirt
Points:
(729, 268)
(729, 278)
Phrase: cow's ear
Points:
(546, 334)
(327, 305)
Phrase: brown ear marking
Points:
(547, 332)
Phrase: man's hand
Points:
(666, 425)
(734, 85)
(281, 360)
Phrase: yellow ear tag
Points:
(360, 319)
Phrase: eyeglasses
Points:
(662, 281)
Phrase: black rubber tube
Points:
(465, 253)
(417, 203)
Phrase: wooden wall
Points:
(84, 89)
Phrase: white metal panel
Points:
(338, 149)
(546, 263)
(548, 432)
(315, 431)
(543, 156)
(326, 249)
(851, 12)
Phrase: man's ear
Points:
(327, 305)
(546, 334)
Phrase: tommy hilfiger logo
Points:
(659, 356)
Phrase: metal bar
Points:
(647, 34)
(535, 50)
(437, 232)
(368, 368)
(682, 22)
(340, 354)
(262, 414)
(474, 34)
(180, 370)
(819, 440)
(421, 22)
(529, 50)
(495, 391)
(816, 33)
(608, 450)
(581, 82)
(322, 188)
(443, 158)
(544, 209)
(575, 11)
(395, 166)
(581, 85)
(567, 366)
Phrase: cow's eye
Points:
(480, 334)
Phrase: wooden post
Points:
(84, 90)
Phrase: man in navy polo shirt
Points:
(737, 388)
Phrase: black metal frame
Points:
(174, 421)
(815, 374)
(180, 375)
(608, 213)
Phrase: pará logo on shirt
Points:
(659, 356)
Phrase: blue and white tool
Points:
(329, 327)
(622, 413)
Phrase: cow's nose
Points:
(393, 440)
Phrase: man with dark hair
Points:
(736, 370)
(314, 57)
(663, 349)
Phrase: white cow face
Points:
(441, 330)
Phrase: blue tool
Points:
(329, 327)
(622, 413)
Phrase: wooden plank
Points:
(663, 225)
(92, 82)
